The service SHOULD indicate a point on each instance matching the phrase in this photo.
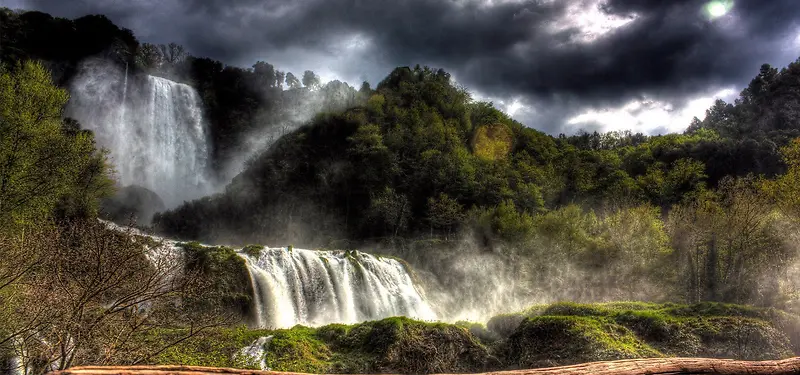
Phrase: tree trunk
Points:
(663, 366)
(711, 270)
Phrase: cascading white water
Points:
(172, 144)
(153, 127)
(321, 287)
(310, 287)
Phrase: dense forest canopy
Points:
(424, 143)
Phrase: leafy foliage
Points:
(45, 162)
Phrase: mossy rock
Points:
(595, 332)
(740, 338)
(787, 323)
(715, 309)
(253, 251)
(408, 346)
(563, 340)
(667, 334)
(394, 345)
(230, 277)
(480, 331)
(705, 329)
(504, 325)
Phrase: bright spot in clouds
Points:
(647, 116)
(718, 8)
(589, 20)
(512, 108)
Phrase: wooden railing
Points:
(660, 366)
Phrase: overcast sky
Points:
(554, 65)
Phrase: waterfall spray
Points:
(124, 96)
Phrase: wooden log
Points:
(651, 366)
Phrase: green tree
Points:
(785, 190)
(291, 81)
(365, 88)
(42, 159)
(667, 185)
(149, 57)
(444, 213)
(728, 245)
(265, 74)
(390, 212)
(507, 222)
(172, 54)
(311, 80)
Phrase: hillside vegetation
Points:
(420, 169)
(542, 336)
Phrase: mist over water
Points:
(468, 283)
(297, 108)
(153, 127)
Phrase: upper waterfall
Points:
(295, 286)
(172, 143)
(153, 127)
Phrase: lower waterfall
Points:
(295, 286)
(314, 287)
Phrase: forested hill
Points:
(240, 103)
(422, 158)
(416, 155)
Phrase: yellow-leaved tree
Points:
(785, 190)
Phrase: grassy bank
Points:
(547, 335)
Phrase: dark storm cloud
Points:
(670, 51)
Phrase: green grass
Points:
(298, 350)
(560, 340)
(216, 348)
